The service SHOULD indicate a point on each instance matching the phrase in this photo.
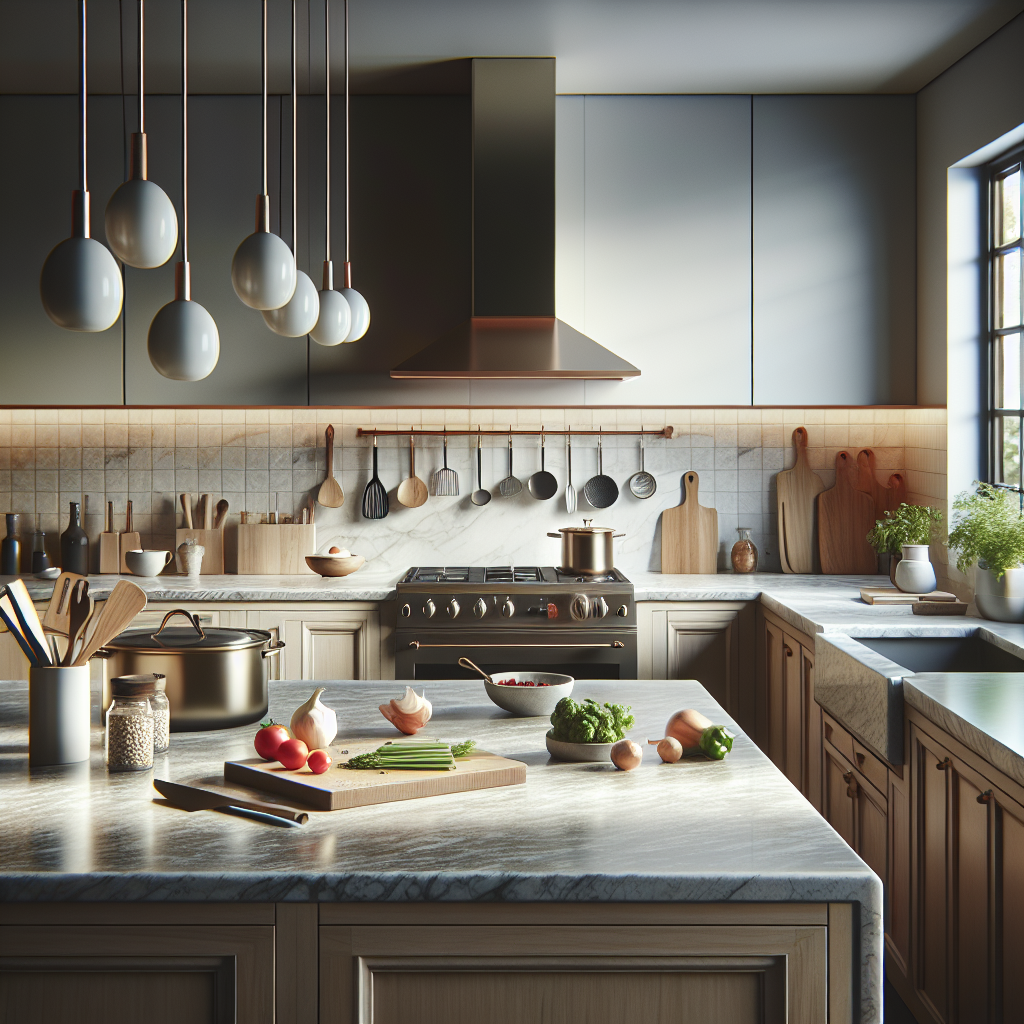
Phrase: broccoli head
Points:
(590, 722)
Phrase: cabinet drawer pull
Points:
(789, 651)
(860, 759)
(828, 731)
(851, 785)
(985, 797)
(847, 777)
(943, 764)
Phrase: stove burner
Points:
(459, 574)
(513, 574)
(505, 575)
(572, 577)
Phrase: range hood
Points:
(513, 332)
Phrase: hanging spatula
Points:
(510, 486)
(330, 495)
(570, 491)
(446, 481)
(375, 497)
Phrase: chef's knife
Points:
(193, 798)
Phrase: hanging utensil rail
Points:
(415, 432)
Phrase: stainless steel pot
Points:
(587, 549)
(216, 678)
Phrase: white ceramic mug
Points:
(147, 563)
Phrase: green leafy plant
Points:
(987, 527)
(909, 524)
(589, 722)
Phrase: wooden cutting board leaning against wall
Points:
(845, 518)
(796, 491)
(689, 534)
(340, 788)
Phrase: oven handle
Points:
(417, 645)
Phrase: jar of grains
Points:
(130, 724)
(161, 714)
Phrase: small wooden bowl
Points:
(334, 565)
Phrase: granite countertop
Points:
(698, 831)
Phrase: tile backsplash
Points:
(262, 459)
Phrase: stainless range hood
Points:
(513, 332)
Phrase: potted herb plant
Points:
(988, 528)
(909, 526)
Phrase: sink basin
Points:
(945, 653)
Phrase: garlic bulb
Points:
(409, 714)
(314, 723)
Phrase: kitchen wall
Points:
(258, 457)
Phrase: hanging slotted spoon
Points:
(570, 491)
(375, 497)
(601, 491)
(543, 484)
(510, 486)
(446, 481)
(642, 484)
(480, 496)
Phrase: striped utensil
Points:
(375, 497)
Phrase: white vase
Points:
(914, 574)
(1001, 600)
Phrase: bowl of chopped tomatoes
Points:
(528, 694)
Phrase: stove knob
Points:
(480, 608)
(580, 607)
(598, 608)
(453, 609)
(429, 608)
(622, 611)
(406, 611)
(508, 609)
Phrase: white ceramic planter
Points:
(914, 574)
(1001, 600)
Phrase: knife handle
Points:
(267, 819)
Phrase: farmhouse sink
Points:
(859, 680)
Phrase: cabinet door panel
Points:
(792, 711)
(838, 809)
(775, 696)
(812, 741)
(871, 828)
(1009, 907)
(897, 903)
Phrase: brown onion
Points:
(687, 726)
(670, 749)
(627, 755)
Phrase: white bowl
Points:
(529, 701)
(563, 750)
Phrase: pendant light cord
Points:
(142, 90)
(264, 78)
(82, 98)
(327, 96)
(184, 131)
(295, 142)
(346, 133)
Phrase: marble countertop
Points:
(697, 831)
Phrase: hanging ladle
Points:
(481, 495)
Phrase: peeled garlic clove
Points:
(410, 713)
(315, 723)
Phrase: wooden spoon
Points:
(331, 495)
(186, 506)
(222, 511)
(412, 492)
(125, 602)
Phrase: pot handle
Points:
(557, 536)
(193, 620)
(618, 535)
(274, 648)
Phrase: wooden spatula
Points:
(796, 490)
(331, 495)
(125, 602)
(55, 619)
(845, 518)
(81, 613)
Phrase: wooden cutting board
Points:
(845, 518)
(797, 489)
(897, 491)
(890, 595)
(689, 534)
(341, 788)
(867, 481)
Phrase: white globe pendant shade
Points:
(298, 316)
(263, 268)
(184, 343)
(81, 285)
(142, 227)
(335, 320)
(360, 314)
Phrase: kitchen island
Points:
(597, 893)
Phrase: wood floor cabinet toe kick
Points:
(426, 963)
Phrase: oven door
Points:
(583, 654)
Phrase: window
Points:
(1006, 386)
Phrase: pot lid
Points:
(188, 638)
(586, 528)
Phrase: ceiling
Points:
(632, 46)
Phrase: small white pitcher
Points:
(915, 574)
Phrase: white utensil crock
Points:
(914, 574)
(58, 715)
(1001, 600)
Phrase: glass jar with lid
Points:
(161, 714)
(130, 724)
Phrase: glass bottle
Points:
(130, 725)
(40, 559)
(10, 547)
(744, 552)
(74, 544)
(161, 715)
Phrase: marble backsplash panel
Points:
(262, 459)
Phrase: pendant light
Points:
(81, 285)
(335, 320)
(263, 269)
(297, 316)
(359, 306)
(142, 228)
(183, 340)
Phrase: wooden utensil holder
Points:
(213, 541)
(129, 542)
(275, 549)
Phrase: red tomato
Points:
(292, 754)
(319, 761)
(268, 739)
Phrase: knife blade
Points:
(194, 798)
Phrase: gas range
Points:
(514, 597)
